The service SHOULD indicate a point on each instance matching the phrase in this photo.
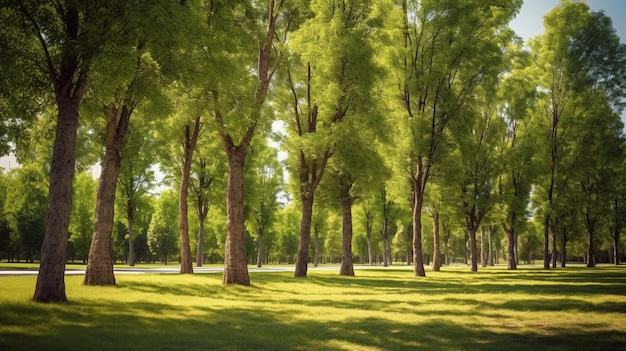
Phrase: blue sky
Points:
(529, 22)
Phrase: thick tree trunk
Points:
(473, 250)
(305, 236)
(418, 257)
(259, 257)
(236, 268)
(51, 279)
(347, 267)
(436, 248)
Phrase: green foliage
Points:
(82, 217)
(163, 231)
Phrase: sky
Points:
(528, 23)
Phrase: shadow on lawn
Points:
(149, 326)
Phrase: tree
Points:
(25, 208)
(322, 93)
(163, 234)
(81, 220)
(69, 35)
(238, 105)
(439, 62)
(264, 178)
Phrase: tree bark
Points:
(236, 268)
(305, 236)
(51, 279)
(436, 248)
(418, 257)
(100, 264)
(591, 261)
(385, 243)
(473, 251)
(200, 248)
(347, 267)
(368, 230)
(259, 257)
(546, 241)
(483, 251)
(512, 256)
(189, 145)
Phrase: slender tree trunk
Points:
(483, 251)
(491, 250)
(51, 279)
(368, 230)
(305, 236)
(616, 250)
(347, 267)
(554, 251)
(591, 261)
(385, 242)
(473, 251)
(200, 249)
(564, 249)
(316, 232)
(418, 257)
(189, 144)
(236, 269)
(131, 246)
(436, 248)
(546, 241)
(259, 257)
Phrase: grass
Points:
(494, 309)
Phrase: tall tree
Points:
(238, 104)
(324, 92)
(440, 60)
(69, 34)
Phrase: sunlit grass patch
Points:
(378, 309)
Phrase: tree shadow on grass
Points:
(149, 326)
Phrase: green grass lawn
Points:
(495, 309)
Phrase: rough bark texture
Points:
(189, 144)
(51, 279)
(305, 236)
(235, 268)
(100, 265)
(437, 247)
(347, 267)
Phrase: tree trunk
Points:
(418, 257)
(591, 261)
(368, 230)
(347, 267)
(491, 250)
(554, 251)
(546, 240)
(305, 236)
(512, 256)
(131, 246)
(616, 250)
(51, 279)
(236, 268)
(473, 251)
(385, 244)
(189, 144)
(436, 248)
(483, 251)
(100, 263)
(316, 259)
(200, 249)
(259, 257)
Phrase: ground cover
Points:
(494, 309)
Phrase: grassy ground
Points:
(494, 309)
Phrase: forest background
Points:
(424, 133)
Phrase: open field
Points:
(495, 309)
